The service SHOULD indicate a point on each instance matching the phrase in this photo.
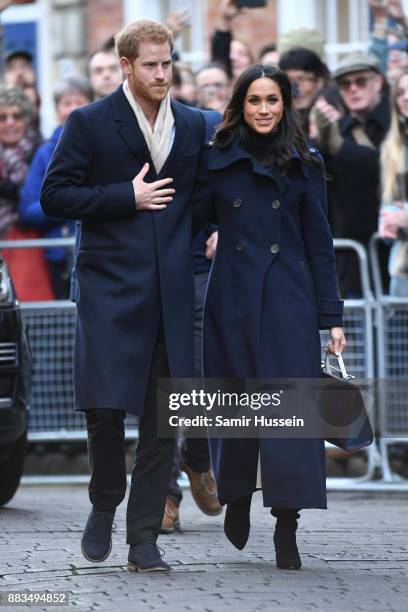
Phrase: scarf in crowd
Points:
(158, 138)
(14, 163)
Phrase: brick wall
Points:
(103, 19)
(257, 27)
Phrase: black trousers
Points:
(60, 277)
(153, 462)
(195, 450)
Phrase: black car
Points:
(15, 388)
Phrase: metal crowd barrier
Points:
(392, 364)
(51, 327)
(359, 351)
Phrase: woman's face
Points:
(13, 125)
(263, 105)
(402, 96)
(239, 57)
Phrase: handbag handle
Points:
(341, 369)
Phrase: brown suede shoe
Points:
(204, 490)
(171, 517)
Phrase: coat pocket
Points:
(190, 154)
(95, 253)
(97, 248)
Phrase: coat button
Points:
(237, 203)
(275, 204)
(275, 248)
(240, 246)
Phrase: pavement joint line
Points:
(345, 564)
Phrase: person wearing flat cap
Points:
(351, 145)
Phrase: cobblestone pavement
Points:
(355, 557)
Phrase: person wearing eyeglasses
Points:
(17, 148)
(351, 144)
(18, 143)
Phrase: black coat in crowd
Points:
(354, 191)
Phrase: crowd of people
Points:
(40, 274)
(356, 116)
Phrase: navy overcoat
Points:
(273, 284)
(132, 266)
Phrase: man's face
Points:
(307, 86)
(69, 102)
(149, 76)
(105, 74)
(360, 90)
(212, 89)
(19, 71)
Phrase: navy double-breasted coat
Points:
(132, 267)
(273, 284)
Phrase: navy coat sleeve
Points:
(203, 197)
(65, 193)
(320, 251)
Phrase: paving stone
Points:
(355, 556)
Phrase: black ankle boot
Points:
(236, 522)
(284, 538)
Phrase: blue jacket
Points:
(30, 211)
(201, 264)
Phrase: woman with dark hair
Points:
(272, 286)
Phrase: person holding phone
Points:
(272, 286)
(234, 54)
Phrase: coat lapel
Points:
(128, 128)
(183, 131)
(222, 158)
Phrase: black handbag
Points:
(342, 408)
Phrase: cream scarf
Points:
(158, 139)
